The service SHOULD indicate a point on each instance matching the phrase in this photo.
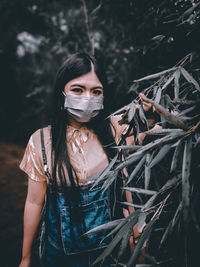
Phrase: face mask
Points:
(83, 108)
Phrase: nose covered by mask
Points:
(83, 108)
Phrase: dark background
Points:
(133, 38)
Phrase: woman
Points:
(62, 161)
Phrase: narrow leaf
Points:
(165, 113)
(176, 156)
(176, 84)
(140, 190)
(158, 96)
(147, 171)
(131, 220)
(105, 226)
(136, 169)
(156, 75)
(141, 221)
(131, 111)
(185, 177)
(189, 78)
(143, 238)
(161, 154)
(105, 172)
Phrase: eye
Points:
(97, 92)
(77, 90)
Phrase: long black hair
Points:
(76, 65)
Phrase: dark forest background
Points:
(132, 38)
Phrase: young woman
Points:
(62, 161)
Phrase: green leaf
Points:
(140, 190)
(147, 171)
(125, 241)
(131, 220)
(189, 78)
(171, 78)
(143, 238)
(149, 203)
(105, 226)
(176, 83)
(131, 205)
(131, 111)
(164, 131)
(185, 177)
(156, 75)
(161, 154)
(142, 116)
(175, 157)
(105, 172)
(158, 96)
(136, 169)
(166, 233)
(113, 175)
(128, 147)
(166, 114)
(141, 220)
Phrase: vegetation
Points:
(133, 38)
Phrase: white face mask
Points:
(83, 108)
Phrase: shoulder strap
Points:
(44, 156)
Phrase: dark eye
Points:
(77, 90)
(97, 92)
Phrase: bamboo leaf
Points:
(168, 82)
(149, 203)
(176, 214)
(131, 205)
(116, 229)
(119, 111)
(189, 78)
(136, 169)
(156, 75)
(185, 177)
(131, 111)
(141, 220)
(147, 171)
(161, 154)
(105, 172)
(176, 156)
(125, 241)
(140, 190)
(158, 96)
(143, 238)
(170, 183)
(131, 220)
(164, 131)
(142, 116)
(105, 226)
(128, 147)
(176, 83)
(168, 102)
(165, 113)
(110, 180)
(166, 233)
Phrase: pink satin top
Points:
(86, 153)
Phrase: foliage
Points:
(132, 38)
(162, 174)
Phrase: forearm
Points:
(32, 212)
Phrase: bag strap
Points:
(44, 156)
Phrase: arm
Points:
(32, 211)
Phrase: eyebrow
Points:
(82, 86)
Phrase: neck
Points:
(74, 123)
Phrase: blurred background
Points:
(132, 38)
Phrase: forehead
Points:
(89, 79)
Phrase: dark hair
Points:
(75, 66)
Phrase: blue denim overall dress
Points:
(56, 246)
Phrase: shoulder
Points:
(35, 138)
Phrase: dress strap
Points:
(44, 156)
